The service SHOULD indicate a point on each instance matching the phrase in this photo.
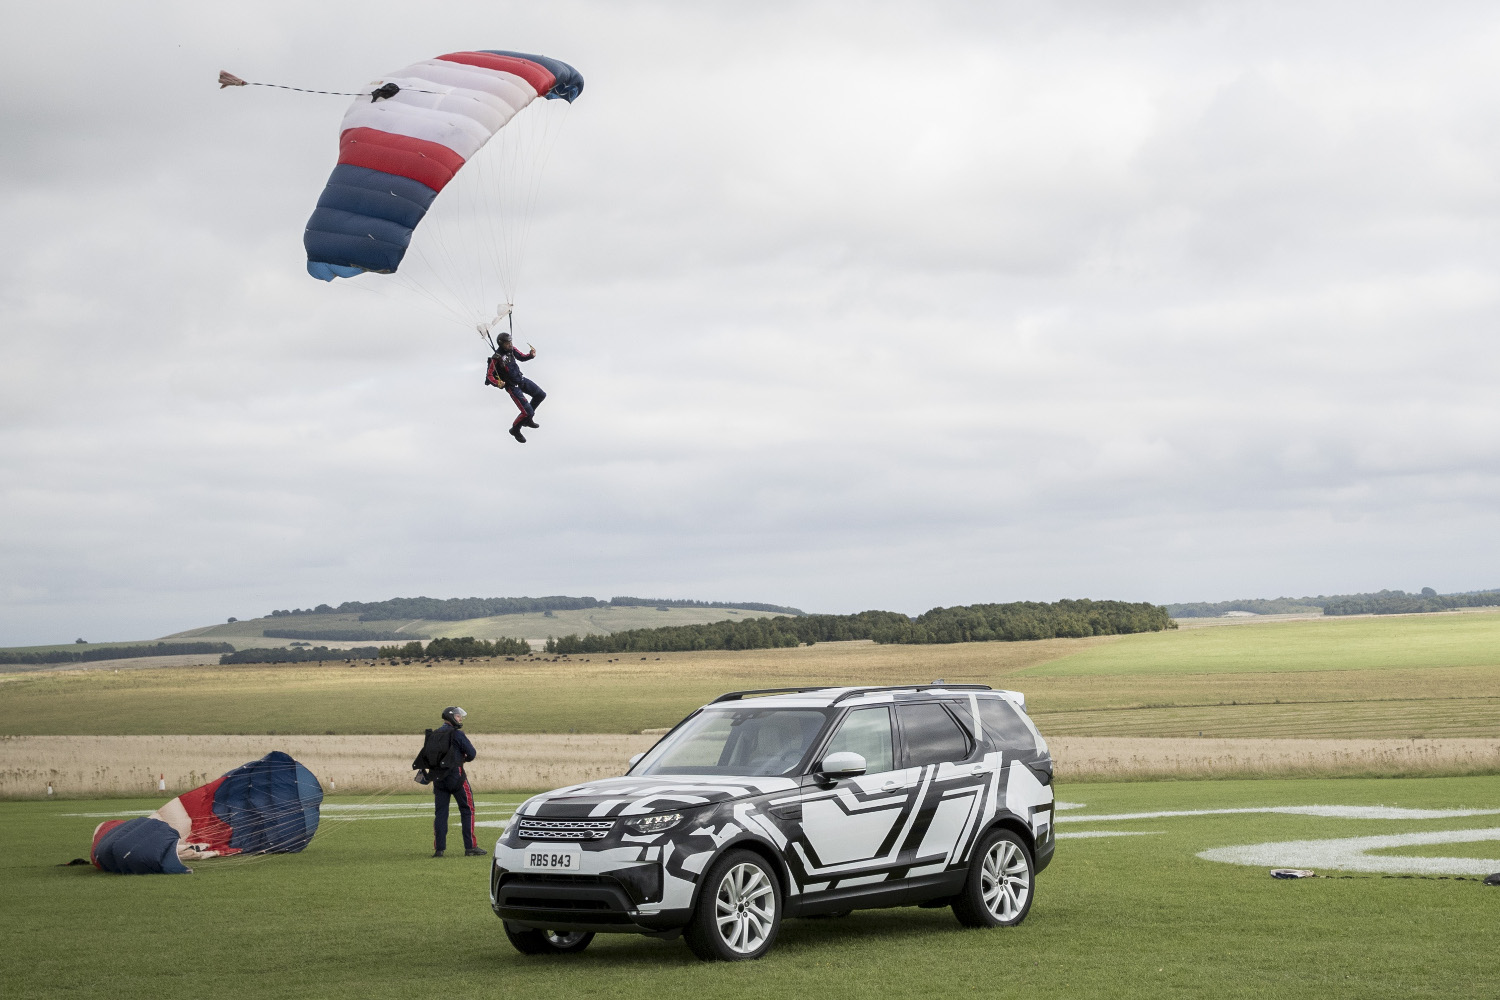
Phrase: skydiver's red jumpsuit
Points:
(505, 373)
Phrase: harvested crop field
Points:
(91, 766)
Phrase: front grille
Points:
(564, 829)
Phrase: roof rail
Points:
(741, 695)
(856, 692)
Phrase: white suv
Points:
(789, 803)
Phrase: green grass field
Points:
(1391, 642)
(364, 913)
(1400, 677)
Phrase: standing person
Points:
(504, 372)
(446, 750)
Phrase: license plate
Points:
(554, 859)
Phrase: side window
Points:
(1004, 727)
(930, 735)
(867, 732)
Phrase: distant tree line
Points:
(316, 653)
(1384, 602)
(455, 609)
(652, 602)
(1398, 602)
(1255, 606)
(974, 623)
(452, 609)
(453, 649)
(337, 634)
(114, 652)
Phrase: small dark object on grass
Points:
(1492, 879)
(1290, 873)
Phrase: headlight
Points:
(655, 823)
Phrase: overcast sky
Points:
(840, 305)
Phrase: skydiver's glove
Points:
(421, 778)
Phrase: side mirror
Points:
(841, 765)
(634, 760)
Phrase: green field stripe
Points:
(1444, 640)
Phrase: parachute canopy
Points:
(402, 142)
(268, 806)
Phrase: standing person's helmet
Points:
(454, 716)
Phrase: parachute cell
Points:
(141, 846)
(397, 152)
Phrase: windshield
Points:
(743, 741)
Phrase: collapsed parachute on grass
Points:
(268, 806)
(405, 138)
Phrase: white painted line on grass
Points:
(388, 806)
(1089, 834)
(423, 816)
(1350, 854)
(1327, 812)
(1060, 806)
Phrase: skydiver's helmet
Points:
(502, 340)
(454, 716)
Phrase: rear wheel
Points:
(1002, 877)
(529, 941)
(738, 912)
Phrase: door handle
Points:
(977, 769)
(890, 786)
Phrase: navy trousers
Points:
(518, 393)
(456, 787)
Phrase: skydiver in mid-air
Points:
(504, 372)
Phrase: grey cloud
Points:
(843, 306)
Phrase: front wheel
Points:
(738, 912)
(1001, 880)
(537, 942)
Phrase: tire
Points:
(1001, 883)
(738, 912)
(536, 942)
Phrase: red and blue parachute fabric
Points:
(268, 806)
(141, 846)
(402, 142)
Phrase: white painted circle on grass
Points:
(1352, 854)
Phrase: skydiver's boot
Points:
(475, 852)
(515, 432)
(437, 854)
(531, 422)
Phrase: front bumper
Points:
(599, 903)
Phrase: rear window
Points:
(1004, 727)
(931, 736)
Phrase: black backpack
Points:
(439, 755)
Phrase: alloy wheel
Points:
(1005, 880)
(745, 908)
(566, 939)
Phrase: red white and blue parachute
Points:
(402, 142)
(268, 806)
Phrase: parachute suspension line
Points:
(540, 153)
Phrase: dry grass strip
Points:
(91, 766)
(1125, 758)
(88, 766)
